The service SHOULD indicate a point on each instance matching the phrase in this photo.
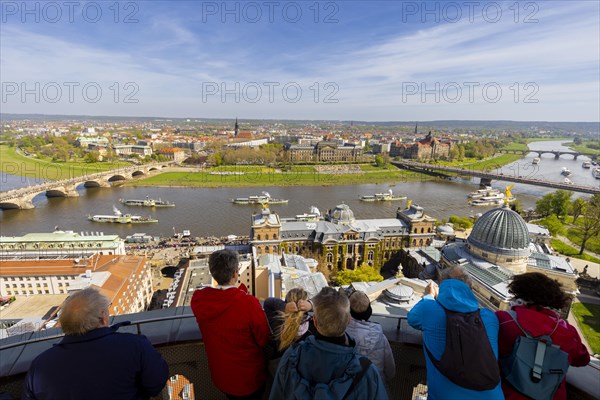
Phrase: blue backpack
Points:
(535, 367)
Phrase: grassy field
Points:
(582, 148)
(294, 178)
(569, 251)
(13, 163)
(588, 319)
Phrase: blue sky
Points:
(350, 60)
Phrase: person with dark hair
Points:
(234, 329)
(369, 337)
(93, 360)
(327, 365)
(537, 301)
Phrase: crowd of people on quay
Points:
(324, 347)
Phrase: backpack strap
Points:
(364, 363)
(540, 351)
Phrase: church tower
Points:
(237, 128)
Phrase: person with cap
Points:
(369, 337)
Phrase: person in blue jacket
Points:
(93, 361)
(327, 364)
(427, 315)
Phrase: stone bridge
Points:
(557, 153)
(22, 198)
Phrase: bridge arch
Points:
(137, 173)
(58, 192)
(91, 184)
(153, 169)
(116, 178)
(9, 206)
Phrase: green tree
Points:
(91, 157)
(578, 208)
(364, 273)
(379, 161)
(590, 221)
(554, 225)
(544, 205)
(561, 203)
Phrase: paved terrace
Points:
(22, 198)
(489, 176)
(176, 335)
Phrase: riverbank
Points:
(259, 176)
(11, 162)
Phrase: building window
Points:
(258, 237)
(422, 230)
(329, 257)
(266, 249)
(370, 255)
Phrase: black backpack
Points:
(468, 359)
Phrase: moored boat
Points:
(120, 218)
(568, 181)
(389, 196)
(536, 160)
(487, 191)
(148, 202)
(265, 198)
(565, 171)
(596, 173)
(586, 164)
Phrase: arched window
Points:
(370, 255)
(414, 242)
(415, 231)
(266, 249)
(421, 242)
(429, 230)
(422, 230)
(274, 236)
(329, 257)
(258, 237)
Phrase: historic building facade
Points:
(324, 152)
(342, 241)
(426, 149)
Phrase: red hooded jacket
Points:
(540, 321)
(235, 331)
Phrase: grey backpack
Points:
(535, 367)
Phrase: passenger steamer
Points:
(265, 198)
(148, 202)
(119, 218)
(389, 196)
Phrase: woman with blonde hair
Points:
(289, 321)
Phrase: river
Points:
(209, 212)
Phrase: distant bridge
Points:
(23, 198)
(487, 176)
(557, 153)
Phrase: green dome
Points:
(501, 231)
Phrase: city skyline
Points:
(349, 60)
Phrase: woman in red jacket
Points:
(537, 300)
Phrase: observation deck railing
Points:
(176, 336)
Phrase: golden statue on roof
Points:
(408, 204)
(508, 194)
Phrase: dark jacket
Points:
(429, 316)
(318, 369)
(235, 331)
(102, 364)
(538, 322)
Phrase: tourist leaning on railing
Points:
(94, 361)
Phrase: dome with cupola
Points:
(341, 214)
(501, 236)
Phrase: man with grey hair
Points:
(93, 361)
(327, 365)
(455, 297)
(234, 330)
